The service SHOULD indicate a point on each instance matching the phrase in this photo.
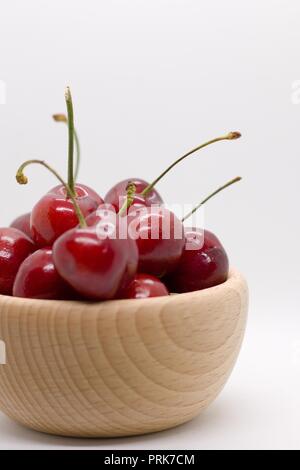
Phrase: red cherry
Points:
(15, 246)
(54, 214)
(105, 213)
(132, 264)
(143, 286)
(106, 221)
(159, 235)
(117, 194)
(95, 267)
(38, 278)
(22, 223)
(204, 263)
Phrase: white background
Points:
(150, 80)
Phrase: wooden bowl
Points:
(119, 368)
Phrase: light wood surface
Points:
(119, 368)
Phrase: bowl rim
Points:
(235, 279)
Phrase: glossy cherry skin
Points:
(105, 213)
(159, 235)
(15, 246)
(105, 220)
(38, 278)
(204, 264)
(54, 214)
(144, 286)
(22, 223)
(117, 194)
(96, 268)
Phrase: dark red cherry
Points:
(95, 267)
(106, 223)
(38, 278)
(143, 286)
(204, 263)
(131, 266)
(105, 213)
(54, 214)
(15, 246)
(159, 235)
(22, 223)
(117, 194)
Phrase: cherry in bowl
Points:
(38, 278)
(96, 267)
(22, 223)
(144, 286)
(15, 247)
(203, 264)
(54, 214)
(118, 193)
(159, 235)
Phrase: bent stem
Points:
(22, 179)
(131, 190)
(229, 136)
(69, 103)
(231, 182)
(63, 118)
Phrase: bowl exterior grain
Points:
(119, 368)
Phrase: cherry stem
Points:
(229, 136)
(231, 182)
(22, 179)
(63, 118)
(69, 103)
(131, 190)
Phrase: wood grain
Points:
(119, 368)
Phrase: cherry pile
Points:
(75, 245)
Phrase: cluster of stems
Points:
(131, 188)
